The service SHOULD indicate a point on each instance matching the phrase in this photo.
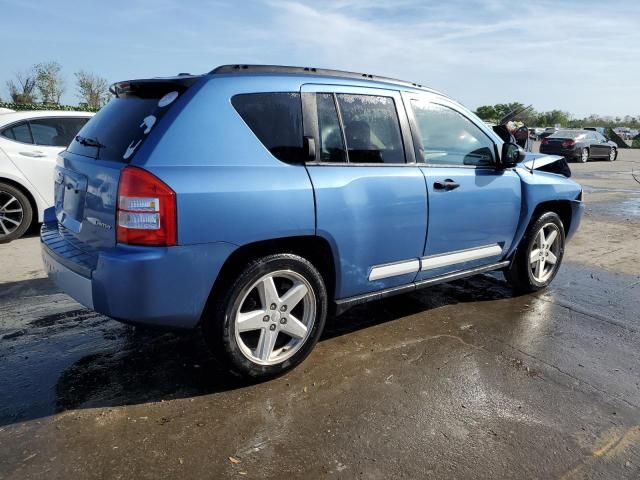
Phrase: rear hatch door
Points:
(87, 175)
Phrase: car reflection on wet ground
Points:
(463, 380)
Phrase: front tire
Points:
(269, 318)
(539, 255)
(15, 213)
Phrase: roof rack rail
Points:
(308, 71)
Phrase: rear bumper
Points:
(166, 287)
(567, 153)
(67, 280)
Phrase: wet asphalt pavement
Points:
(463, 380)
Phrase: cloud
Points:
(536, 52)
(579, 56)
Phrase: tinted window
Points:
(276, 119)
(331, 142)
(19, 133)
(123, 124)
(56, 132)
(44, 131)
(449, 138)
(371, 128)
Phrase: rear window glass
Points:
(19, 133)
(119, 128)
(567, 134)
(276, 119)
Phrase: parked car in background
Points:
(250, 200)
(535, 132)
(579, 145)
(547, 132)
(600, 130)
(29, 144)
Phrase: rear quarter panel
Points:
(229, 187)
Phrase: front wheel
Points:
(269, 318)
(539, 255)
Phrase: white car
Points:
(29, 144)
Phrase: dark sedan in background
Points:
(579, 145)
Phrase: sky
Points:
(580, 56)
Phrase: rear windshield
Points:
(118, 130)
(567, 134)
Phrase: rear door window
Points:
(56, 132)
(44, 131)
(276, 119)
(19, 132)
(371, 128)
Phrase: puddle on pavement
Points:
(77, 359)
(628, 208)
(590, 189)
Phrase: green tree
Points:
(504, 109)
(553, 117)
(49, 82)
(487, 112)
(93, 90)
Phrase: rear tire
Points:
(269, 316)
(584, 155)
(538, 257)
(613, 154)
(16, 213)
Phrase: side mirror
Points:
(512, 154)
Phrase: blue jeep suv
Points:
(253, 200)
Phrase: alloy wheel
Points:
(585, 155)
(11, 213)
(612, 154)
(275, 317)
(545, 251)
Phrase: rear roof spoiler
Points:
(153, 85)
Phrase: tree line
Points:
(44, 83)
(533, 118)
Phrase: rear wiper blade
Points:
(89, 142)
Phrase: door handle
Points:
(33, 154)
(447, 184)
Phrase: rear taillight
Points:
(568, 143)
(545, 141)
(146, 209)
